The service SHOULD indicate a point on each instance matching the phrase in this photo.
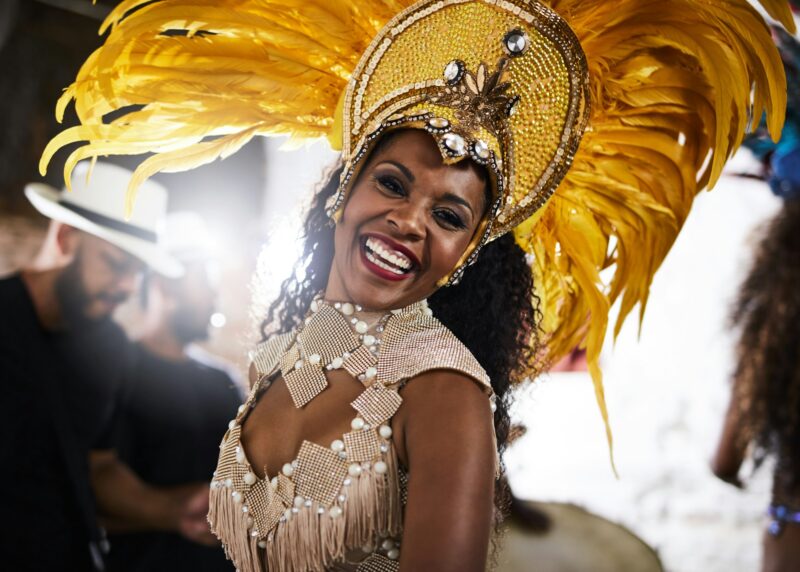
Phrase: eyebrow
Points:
(409, 175)
(459, 200)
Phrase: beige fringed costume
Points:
(336, 507)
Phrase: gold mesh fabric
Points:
(268, 353)
(306, 383)
(264, 506)
(228, 467)
(376, 404)
(359, 361)
(289, 359)
(320, 473)
(328, 335)
(362, 445)
(378, 563)
(285, 489)
(413, 344)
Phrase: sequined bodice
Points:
(335, 507)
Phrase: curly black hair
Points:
(500, 329)
(767, 310)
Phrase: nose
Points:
(127, 282)
(409, 220)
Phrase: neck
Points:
(41, 286)
(161, 342)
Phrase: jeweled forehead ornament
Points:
(503, 84)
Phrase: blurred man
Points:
(61, 365)
(180, 403)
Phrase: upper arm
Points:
(446, 428)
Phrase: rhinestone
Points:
(335, 512)
(481, 149)
(515, 42)
(320, 510)
(438, 123)
(453, 70)
(455, 143)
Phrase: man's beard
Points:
(74, 300)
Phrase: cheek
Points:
(447, 250)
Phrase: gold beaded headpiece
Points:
(598, 121)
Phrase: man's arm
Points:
(127, 504)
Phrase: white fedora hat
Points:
(97, 206)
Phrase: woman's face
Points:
(406, 223)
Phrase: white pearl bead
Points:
(371, 372)
(239, 455)
(361, 327)
(298, 501)
(393, 554)
(337, 362)
(380, 467)
(288, 469)
(335, 512)
(314, 306)
(337, 445)
(314, 358)
(232, 424)
(369, 340)
(241, 408)
(387, 544)
(262, 544)
(298, 364)
(250, 478)
(385, 431)
(287, 514)
(229, 483)
(347, 309)
(357, 423)
(493, 406)
(237, 496)
(354, 470)
(274, 482)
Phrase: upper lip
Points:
(396, 246)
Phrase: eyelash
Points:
(446, 216)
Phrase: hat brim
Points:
(45, 199)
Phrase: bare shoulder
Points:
(445, 409)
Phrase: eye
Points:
(449, 218)
(390, 184)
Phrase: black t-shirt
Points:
(174, 418)
(44, 516)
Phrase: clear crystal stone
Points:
(481, 149)
(455, 143)
(438, 122)
(452, 70)
(516, 43)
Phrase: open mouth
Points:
(386, 259)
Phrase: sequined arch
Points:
(546, 90)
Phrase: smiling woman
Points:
(374, 429)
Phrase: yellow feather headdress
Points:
(665, 89)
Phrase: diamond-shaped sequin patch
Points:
(377, 404)
(359, 361)
(305, 384)
(362, 445)
(328, 335)
(320, 473)
(264, 506)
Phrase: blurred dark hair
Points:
(500, 327)
(767, 310)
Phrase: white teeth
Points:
(378, 262)
(385, 255)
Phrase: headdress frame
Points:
(508, 88)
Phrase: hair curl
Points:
(767, 375)
(500, 329)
